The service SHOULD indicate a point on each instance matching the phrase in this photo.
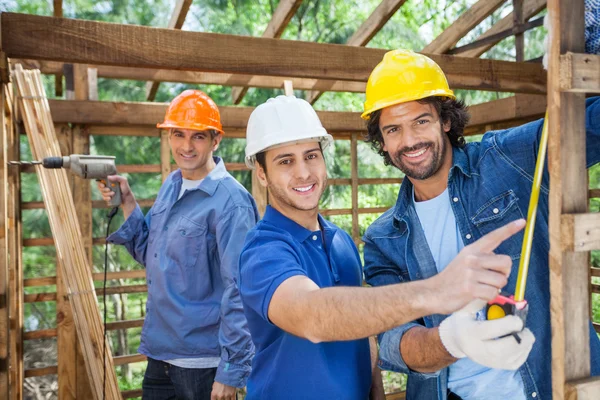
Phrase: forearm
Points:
(422, 350)
(349, 313)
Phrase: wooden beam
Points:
(58, 77)
(354, 183)
(176, 22)
(15, 246)
(211, 78)
(569, 271)
(70, 40)
(511, 108)
(580, 73)
(4, 260)
(165, 155)
(101, 112)
(51, 296)
(580, 232)
(279, 21)
(463, 25)
(97, 276)
(584, 389)
(518, 20)
(363, 35)
(530, 9)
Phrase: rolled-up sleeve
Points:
(133, 234)
(236, 344)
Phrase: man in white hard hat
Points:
(301, 276)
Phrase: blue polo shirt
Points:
(286, 366)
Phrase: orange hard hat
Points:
(192, 109)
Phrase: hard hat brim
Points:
(193, 126)
(404, 98)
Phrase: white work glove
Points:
(464, 336)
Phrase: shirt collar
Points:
(300, 233)
(211, 181)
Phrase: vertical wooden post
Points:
(73, 381)
(517, 23)
(15, 245)
(354, 178)
(4, 295)
(165, 154)
(569, 271)
(58, 78)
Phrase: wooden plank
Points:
(52, 369)
(4, 260)
(530, 9)
(111, 326)
(400, 395)
(583, 389)
(279, 21)
(193, 77)
(51, 296)
(176, 22)
(63, 39)
(58, 78)
(580, 232)
(15, 266)
(165, 155)
(66, 230)
(129, 359)
(98, 276)
(365, 32)
(569, 271)
(43, 371)
(594, 193)
(66, 343)
(144, 169)
(130, 113)
(463, 25)
(511, 108)
(130, 394)
(354, 179)
(580, 73)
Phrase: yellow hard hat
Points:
(404, 76)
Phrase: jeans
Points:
(164, 381)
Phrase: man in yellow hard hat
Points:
(195, 334)
(453, 194)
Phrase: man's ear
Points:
(446, 126)
(261, 174)
(216, 142)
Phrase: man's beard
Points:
(421, 172)
(282, 196)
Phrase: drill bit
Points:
(23, 162)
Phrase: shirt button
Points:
(468, 236)
(183, 233)
(495, 211)
(534, 394)
(314, 237)
(165, 228)
(155, 255)
(455, 199)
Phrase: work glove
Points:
(464, 336)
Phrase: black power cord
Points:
(109, 218)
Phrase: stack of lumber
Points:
(77, 271)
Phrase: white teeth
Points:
(411, 155)
(304, 189)
(184, 156)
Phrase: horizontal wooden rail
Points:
(583, 389)
(51, 296)
(146, 168)
(580, 73)
(53, 369)
(110, 326)
(97, 276)
(580, 232)
(130, 394)
(100, 43)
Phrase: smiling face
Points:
(416, 140)
(192, 151)
(296, 177)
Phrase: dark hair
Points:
(447, 109)
(260, 159)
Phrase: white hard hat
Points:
(282, 120)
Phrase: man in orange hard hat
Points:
(195, 334)
(453, 194)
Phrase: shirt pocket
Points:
(157, 215)
(497, 212)
(190, 242)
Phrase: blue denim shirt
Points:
(490, 185)
(190, 248)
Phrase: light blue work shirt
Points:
(190, 247)
(466, 378)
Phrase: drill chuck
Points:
(52, 162)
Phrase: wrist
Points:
(447, 339)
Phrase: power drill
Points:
(85, 166)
